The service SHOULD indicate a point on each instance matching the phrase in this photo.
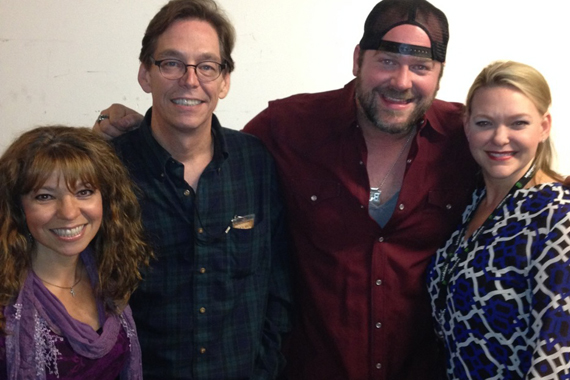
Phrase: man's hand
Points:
(116, 120)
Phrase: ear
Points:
(224, 86)
(144, 78)
(355, 56)
(546, 125)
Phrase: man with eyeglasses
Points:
(215, 302)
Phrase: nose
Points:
(401, 79)
(190, 78)
(501, 136)
(68, 208)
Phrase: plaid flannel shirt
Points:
(217, 299)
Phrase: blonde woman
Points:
(500, 286)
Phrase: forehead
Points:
(408, 34)
(189, 37)
(505, 99)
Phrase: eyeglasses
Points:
(174, 69)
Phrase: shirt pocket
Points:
(247, 248)
(322, 214)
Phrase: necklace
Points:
(70, 288)
(376, 192)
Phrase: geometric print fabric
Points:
(506, 314)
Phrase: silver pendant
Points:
(72, 292)
(375, 196)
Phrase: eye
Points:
(521, 123)
(84, 193)
(420, 68)
(206, 66)
(482, 123)
(388, 62)
(43, 197)
(171, 64)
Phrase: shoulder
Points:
(549, 202)
(128, 143)
(334, 107)
(447, 116)
(243, 144)
(551, 193)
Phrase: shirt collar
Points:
(156, 157)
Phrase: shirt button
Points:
(361, 206)
(448, 206)
(361, 163)
(409, 161)
(202, 310)
(313, 198)
(378, 325)
(202, 350)
(380, 239)
(378, 365)
(202, 270)
(186, 192)
(401, 206)
(378, 282)
(200, 230)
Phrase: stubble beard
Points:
(368, 104)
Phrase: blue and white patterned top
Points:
(507, 310)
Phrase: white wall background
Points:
(62, 61)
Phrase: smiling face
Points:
(186, 104)
(394, 90)
(62, 222)
(504, 130)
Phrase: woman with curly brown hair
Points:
(71, 246)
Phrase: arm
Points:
(550, 318)
(120, 119)
(270, 362)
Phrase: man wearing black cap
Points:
(375, 176)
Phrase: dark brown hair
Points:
(174, 10)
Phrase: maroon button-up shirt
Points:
(363, 305)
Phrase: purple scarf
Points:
(36, 308)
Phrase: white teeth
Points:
(186, 102)
(68, 232)
(394, 100)
(501, 154)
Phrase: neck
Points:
(185, 147)
(57, 271)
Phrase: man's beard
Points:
(369, 105)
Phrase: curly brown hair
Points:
(119, 246)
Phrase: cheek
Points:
(36, 218)
(475, 139)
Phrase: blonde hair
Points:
(530, 83)
(119, 247)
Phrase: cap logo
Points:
(405, 49)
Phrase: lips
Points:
(68, 232)
(501, 155)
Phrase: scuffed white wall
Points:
(62, 61)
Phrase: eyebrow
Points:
(396, 55)
(178, 55)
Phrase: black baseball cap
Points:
(388, 14)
